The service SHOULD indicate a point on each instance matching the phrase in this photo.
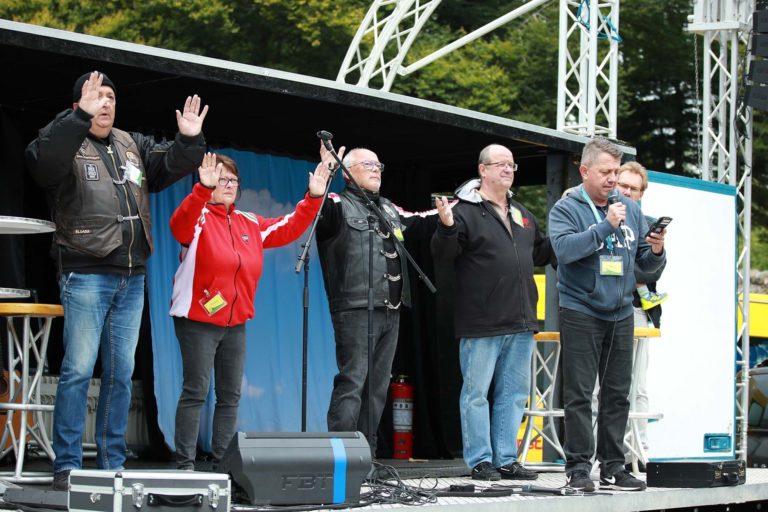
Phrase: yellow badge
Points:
(611, 266)
(212, 303)
(398, 234)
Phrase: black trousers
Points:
(348, 411)
(594, 348)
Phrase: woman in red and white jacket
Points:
(213, 291)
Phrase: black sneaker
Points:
(622, 481)
(640, 467)
(61, 480)
(516, 471)
(580, 481)
(485, 471)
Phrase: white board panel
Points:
(691, 375)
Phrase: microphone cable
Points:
(615, 321)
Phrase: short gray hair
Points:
(347, 160)
(595, 147)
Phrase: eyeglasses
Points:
(223, 182)
(370, 165)
(629, 187)
(504, 165)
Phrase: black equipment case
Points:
(92, 490)
(696, 473)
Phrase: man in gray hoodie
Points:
(597, 235)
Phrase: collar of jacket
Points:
(373, 196)
(470, 191)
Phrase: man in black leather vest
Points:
(97, 180)
(344, 236)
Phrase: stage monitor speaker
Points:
(760, 22)
(301, 468)
(757, 97)
(758, 72)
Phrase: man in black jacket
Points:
(494, 243)
(345, 233)
(97, 180)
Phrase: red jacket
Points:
(222, 255)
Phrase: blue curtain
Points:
(271, 389)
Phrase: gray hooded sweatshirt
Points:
(579, 241)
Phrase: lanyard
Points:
(608, 240)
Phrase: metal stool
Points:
(632, 440)
(544, 365)
(28, 351)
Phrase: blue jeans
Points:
(507, 360)
(102, 314)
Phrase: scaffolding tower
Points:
(726, 149)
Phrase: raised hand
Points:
(90, 101)
(318, 179)
(209, 171)
(444, 211)
(327, 158)
(191, 120)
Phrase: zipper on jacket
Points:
(239, 264)
(127, 191)
(517, 256)
(522, 294)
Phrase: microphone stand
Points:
(386, 228)
(303, 260)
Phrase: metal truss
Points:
(588, 67)
(387, 32)
(726, 150)
(383, 39)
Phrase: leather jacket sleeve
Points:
(49, 157)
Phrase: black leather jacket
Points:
(102, 220)
(342, 236)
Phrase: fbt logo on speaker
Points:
(307, 482)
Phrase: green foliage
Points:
(657, 93)
(759, 248)
(472, 79)
(499, 74)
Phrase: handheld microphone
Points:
(613, 197)
(326, 138)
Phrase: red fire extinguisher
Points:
(402, 417)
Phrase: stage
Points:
(429, 483)
(752, 494)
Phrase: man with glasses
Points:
(493, 243)
(598, 244)
(344, 240)
(632, 182)
(97, 180)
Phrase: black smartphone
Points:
(658, 226)
(435, 195)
